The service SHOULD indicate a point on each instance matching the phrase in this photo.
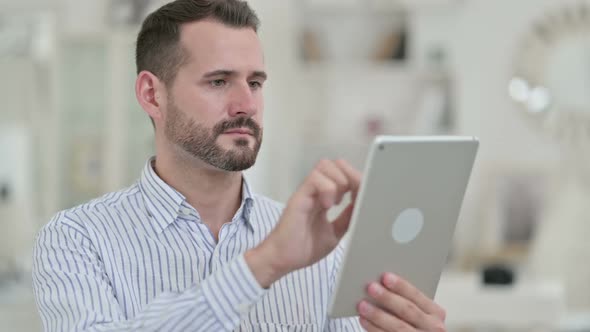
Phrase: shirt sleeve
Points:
(347, 324)
(74, 293)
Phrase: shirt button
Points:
(185, 211)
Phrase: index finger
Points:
(353, 175)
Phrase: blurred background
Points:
(514, 73)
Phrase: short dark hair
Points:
(158, 48)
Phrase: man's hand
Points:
(399, 306)
(304, 235)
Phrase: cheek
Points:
(200, 102)
(260, 104)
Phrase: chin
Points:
(233, 143)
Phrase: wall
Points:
(15, 139)
(481, 37)
(480, 50)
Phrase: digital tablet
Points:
(405, 214)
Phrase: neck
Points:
(214, 193)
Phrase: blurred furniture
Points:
(526, 305)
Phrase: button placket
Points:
(227, 231)
(215, 263)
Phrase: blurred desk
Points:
(576, 322)
(18, 312)
(528, 304)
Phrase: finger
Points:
(408, 291)
(325, 189)
(353, 175)
(368, 326)
(342, 222)
(330, 169)
(382, 319)
(399, 306)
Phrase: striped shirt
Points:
(141, 259)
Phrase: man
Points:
(189, 247)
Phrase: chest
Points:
(141, 268)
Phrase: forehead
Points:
(213, 45)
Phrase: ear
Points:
(150, 93)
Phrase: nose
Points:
(243, 101)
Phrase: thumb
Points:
(342, 222)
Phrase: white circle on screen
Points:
(407, 225)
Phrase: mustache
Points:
(242, 122)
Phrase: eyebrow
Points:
(224, 72)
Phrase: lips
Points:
(238, 126)
(242, 131)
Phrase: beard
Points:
(201, 142)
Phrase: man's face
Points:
(214, 106)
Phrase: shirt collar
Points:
(164, 202)
(247, 204)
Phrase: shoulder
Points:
(88, 215)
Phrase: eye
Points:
(255, 84)
(218, 83)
